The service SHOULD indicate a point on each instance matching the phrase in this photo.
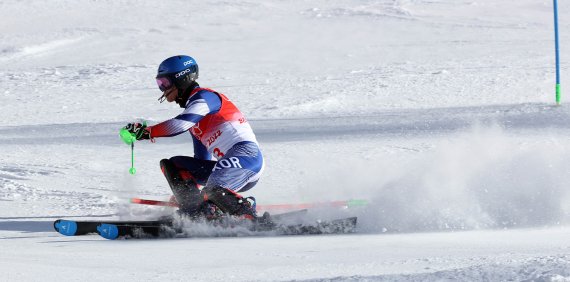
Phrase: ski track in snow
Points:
(549, 268)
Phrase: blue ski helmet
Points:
(179, 71)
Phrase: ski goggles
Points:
(164, 83)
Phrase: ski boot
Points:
(230, 202)
(250, 203)
(237, 206)
(210, 212)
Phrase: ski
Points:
(280, 224)
(113, 231)
(338, 226)
(341, 204)
(78, 227)
(289, 215)
(166, 228)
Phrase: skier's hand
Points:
(139, 130)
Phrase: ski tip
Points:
(65, 227)
(108, 231)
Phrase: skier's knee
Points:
(169, 169)
(163, 162)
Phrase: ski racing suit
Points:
(218, 130)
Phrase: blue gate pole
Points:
(557, 49)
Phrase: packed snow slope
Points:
(440, 113)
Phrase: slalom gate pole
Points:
(340, 204)
(557, 50)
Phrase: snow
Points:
(461, 256)
(440, 113)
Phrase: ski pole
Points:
(129, 139)
(132, 170)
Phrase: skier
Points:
(218, 130)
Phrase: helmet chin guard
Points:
(184, 94)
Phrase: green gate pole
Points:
(557, 50)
